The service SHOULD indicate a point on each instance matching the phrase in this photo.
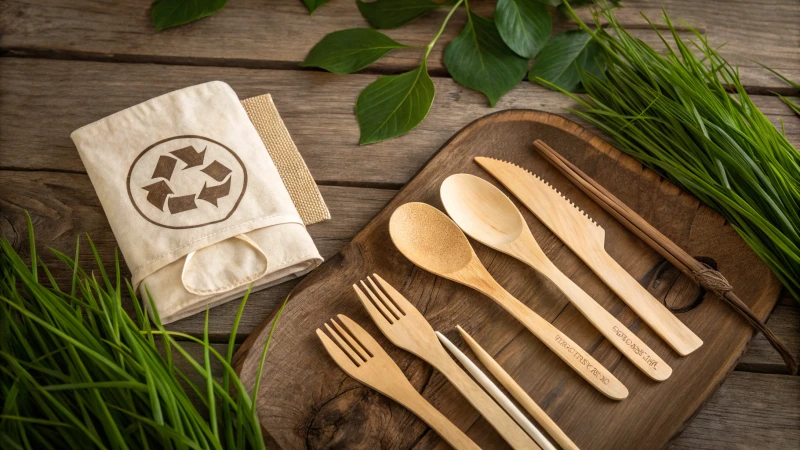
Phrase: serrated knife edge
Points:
(516, 179)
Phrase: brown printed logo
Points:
(186, 182)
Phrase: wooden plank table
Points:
(65, 64)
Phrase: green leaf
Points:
(386, 14)
(393, 105)
(479, 59)
(348, 51)
(312, 5)
(171, 13)
(524, 25)
(560, 59)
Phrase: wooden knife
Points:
(587, 240)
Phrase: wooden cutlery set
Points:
(437, 243)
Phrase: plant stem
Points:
(266, 349)
(430, 45)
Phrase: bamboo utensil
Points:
(516, 390)
(488, 216)
(406, 327)
(428, 238)
(357, 353)
(587, 239)
(497, 394)
(701, 273)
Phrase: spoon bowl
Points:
(482, 210)
(430, 239)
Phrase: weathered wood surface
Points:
(279, 34)
(322, 406)
(751, 410)
(760, 356)
(43, 101)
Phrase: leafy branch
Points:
(489, 55)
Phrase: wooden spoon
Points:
(489, 217)
(428, 238)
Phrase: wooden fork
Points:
(406, 327)
(357, 353)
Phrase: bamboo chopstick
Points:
(497, 394)
(518, 393)
(701, 273)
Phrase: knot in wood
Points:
(712, 280)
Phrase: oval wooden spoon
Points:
(486, 214)
(428, 238)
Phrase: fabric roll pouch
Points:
(196, 203)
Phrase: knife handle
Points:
(579, 359)
(654, 313)
(633, 348)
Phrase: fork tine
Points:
(355, 345)
(344, 345)
(396, 296)
(393, 316)
(366, 341)
(338, 356)
(379, 316)
(389, 304)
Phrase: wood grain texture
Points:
(306, 402)
(749, 411)
(43, 101)
(279, 34)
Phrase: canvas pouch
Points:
(195, 201)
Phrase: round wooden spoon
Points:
(490, 217)
(428, 238)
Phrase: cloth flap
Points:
(180, 172)
(223, 266)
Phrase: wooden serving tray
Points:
(306, 401)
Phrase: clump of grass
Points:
(674, 113)
(77, 371)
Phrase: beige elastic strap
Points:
(216, 282)
(291, 167)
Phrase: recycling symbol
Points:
(186, 182)
(159, 191)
